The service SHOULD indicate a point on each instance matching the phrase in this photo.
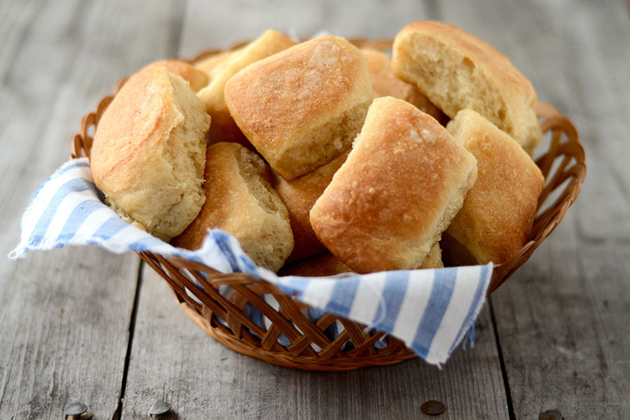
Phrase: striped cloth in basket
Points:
(430, 310)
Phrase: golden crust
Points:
(302, 107)
(241, 201)
(299, 196)
(223, 126)
(386, 83)
(207, 65)
(403, 182)
(442, 60)
(133, 157)
(499, 210)
(196, 78)
(433, 258)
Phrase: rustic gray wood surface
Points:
(83, 325)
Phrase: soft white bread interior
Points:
(149, 152)
(457, 71)
(386, 83)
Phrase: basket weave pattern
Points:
(223, 315)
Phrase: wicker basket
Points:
(224, 318)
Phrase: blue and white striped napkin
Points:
(430, 310)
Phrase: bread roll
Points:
(149, 155)
(456, 71)
(319, 266)
(499, 210)
(207, 65)
(196, 78)
(241, 201)
(302, 108)
(433, 258)
(386, 83)
(223, 127)
(402, 184)
(299, 196)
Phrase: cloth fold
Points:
(430, 310)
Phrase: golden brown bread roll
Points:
(457, 71)
(299, 196)
(433, 258)
(196, 78)
(149, 154)
(241, 201)
(223, 127)
(207, 65)
(498, 213)
(302, 108)
(386, 83)
(402, 184)
(318, 266)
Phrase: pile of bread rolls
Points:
(321, 158)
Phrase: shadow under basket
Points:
(224, 315)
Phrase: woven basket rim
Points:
(572, 169)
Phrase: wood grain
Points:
(561, 330)
(222, 24)
(64, 314)
(562, 345)
(174, 360)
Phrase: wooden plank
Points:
(64, 322)
(562, 326)
(560, 320)
(175, 361)
(220, 25)
(64, 314)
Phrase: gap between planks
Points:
(132, 329)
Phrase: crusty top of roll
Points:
(302, 107)
(148, 155)
(499, 210)
(455, 71)
(403, 182)
(269, 43)
(195, 77)
(212, 96)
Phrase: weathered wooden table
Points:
(80, 324)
